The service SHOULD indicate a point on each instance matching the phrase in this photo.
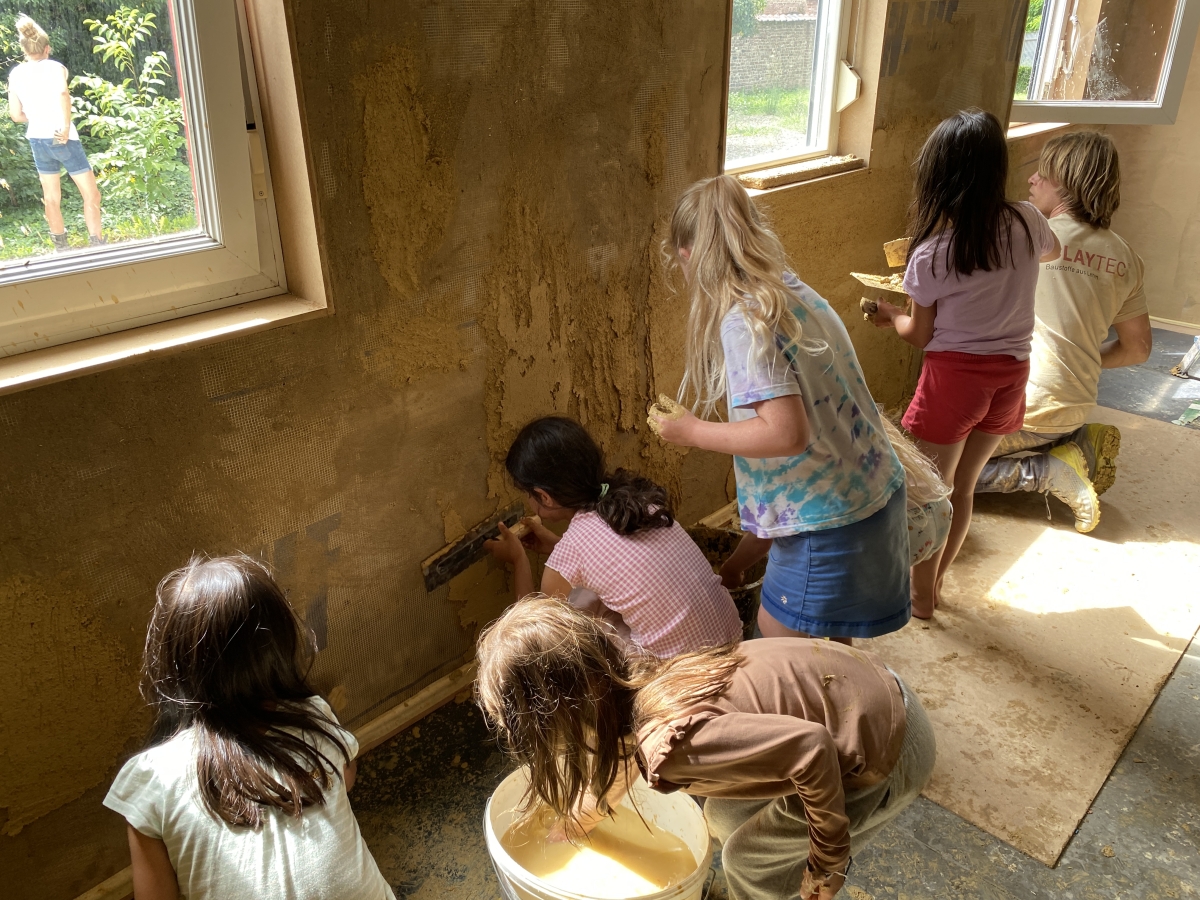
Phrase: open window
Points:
(785, 63)
(170, 120)
(1104, 61)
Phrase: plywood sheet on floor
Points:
(1050, 645)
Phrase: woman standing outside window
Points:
(38, 95)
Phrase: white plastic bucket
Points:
(677, 813)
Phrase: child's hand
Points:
(538, 538)
(885, 314)
(677, 430)
(507, 548)
(820, 887)
(732, 578)
(570, 830)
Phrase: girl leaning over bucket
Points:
(819, 487)
(804, 748)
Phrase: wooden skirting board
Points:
(119, 887)
(415, 708)
(1175, 325)
(369, 736)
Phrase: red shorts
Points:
(963, 392)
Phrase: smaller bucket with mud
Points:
(717, 544)
(677, 813)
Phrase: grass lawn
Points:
(23, 231)
(766, 121)
(788, 108)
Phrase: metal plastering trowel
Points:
(456, 558)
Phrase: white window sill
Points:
(38, 367)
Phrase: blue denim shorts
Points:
(851, 581)
(51, 158)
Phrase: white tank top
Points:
(39, 86)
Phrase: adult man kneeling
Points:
(1097, 283)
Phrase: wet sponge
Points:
(664, 408)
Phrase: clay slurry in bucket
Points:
(619, 859)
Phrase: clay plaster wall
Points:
(492, 181)
(1160, 203)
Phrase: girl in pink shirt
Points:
(972, 270)
(623, 557)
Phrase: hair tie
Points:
(603, 489)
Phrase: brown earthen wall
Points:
(492, 180)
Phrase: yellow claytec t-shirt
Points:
(1095, 283)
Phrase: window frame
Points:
(1160, 111)
(832, 36)
(277, 171)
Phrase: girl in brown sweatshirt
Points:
(804, 747)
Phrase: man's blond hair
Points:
(1085, 167)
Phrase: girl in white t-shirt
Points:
(623, 557)
(242, 791)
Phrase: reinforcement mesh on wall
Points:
(475, 68)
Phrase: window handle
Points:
(849, 86)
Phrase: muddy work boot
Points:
(95, 240)
(60, 242)
(1067, 479)
(1100, 445)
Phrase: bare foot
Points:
(923, 607)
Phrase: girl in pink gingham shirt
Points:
(623, 556)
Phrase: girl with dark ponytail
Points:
(623, 556)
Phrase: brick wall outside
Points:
(778, 55)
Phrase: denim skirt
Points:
(851, 581)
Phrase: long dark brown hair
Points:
(567, 698)
(226, 655)
(960, 179)
(557, 455)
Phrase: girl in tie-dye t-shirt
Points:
(820, 488)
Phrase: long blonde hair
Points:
(566, 697)
(33, 38)
(735, 260)
(921, 477)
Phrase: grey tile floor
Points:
(1150, 389)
